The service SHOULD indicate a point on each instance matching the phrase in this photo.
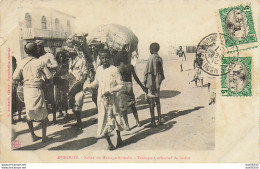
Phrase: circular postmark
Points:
(211, 49)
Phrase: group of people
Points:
(199, 74)
(77, 71)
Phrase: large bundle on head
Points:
(115, 38)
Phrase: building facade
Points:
(34, 23)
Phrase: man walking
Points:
(182, 56)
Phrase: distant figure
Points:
(182, 56)
(126, 96)
(109, 82)
(212, 89)
(153, 77)
(195, 62)
(198, 76)
(33, 71)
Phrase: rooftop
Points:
(50, 9)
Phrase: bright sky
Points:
(168, 22)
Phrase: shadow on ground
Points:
(140, 105)
(168, 124)
(141, 102)
(71, 133)
(62, 121)
(60, 136)
(165, 94)
(76, 144)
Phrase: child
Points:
(108, 80)
(198, 72)
(153, 77)
(126, 96)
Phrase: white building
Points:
(32, 23)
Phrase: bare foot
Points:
(60, 115)
(111, 147)
(138, 124)
(127, 128)
(159, 123)
(46, 139)
(151, 125)
(36, 138)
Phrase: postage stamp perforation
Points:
(239, 81)
(238, 25)
(253, 77)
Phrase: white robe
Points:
(32, 73)
(109, 117)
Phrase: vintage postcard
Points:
(171, 81)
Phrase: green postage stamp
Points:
(238, 81)
(237, 22)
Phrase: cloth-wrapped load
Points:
(115, 38)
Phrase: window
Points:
(68, 27)
(57, 24)
(28, 20)
(44, 23)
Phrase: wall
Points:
(51, 15)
